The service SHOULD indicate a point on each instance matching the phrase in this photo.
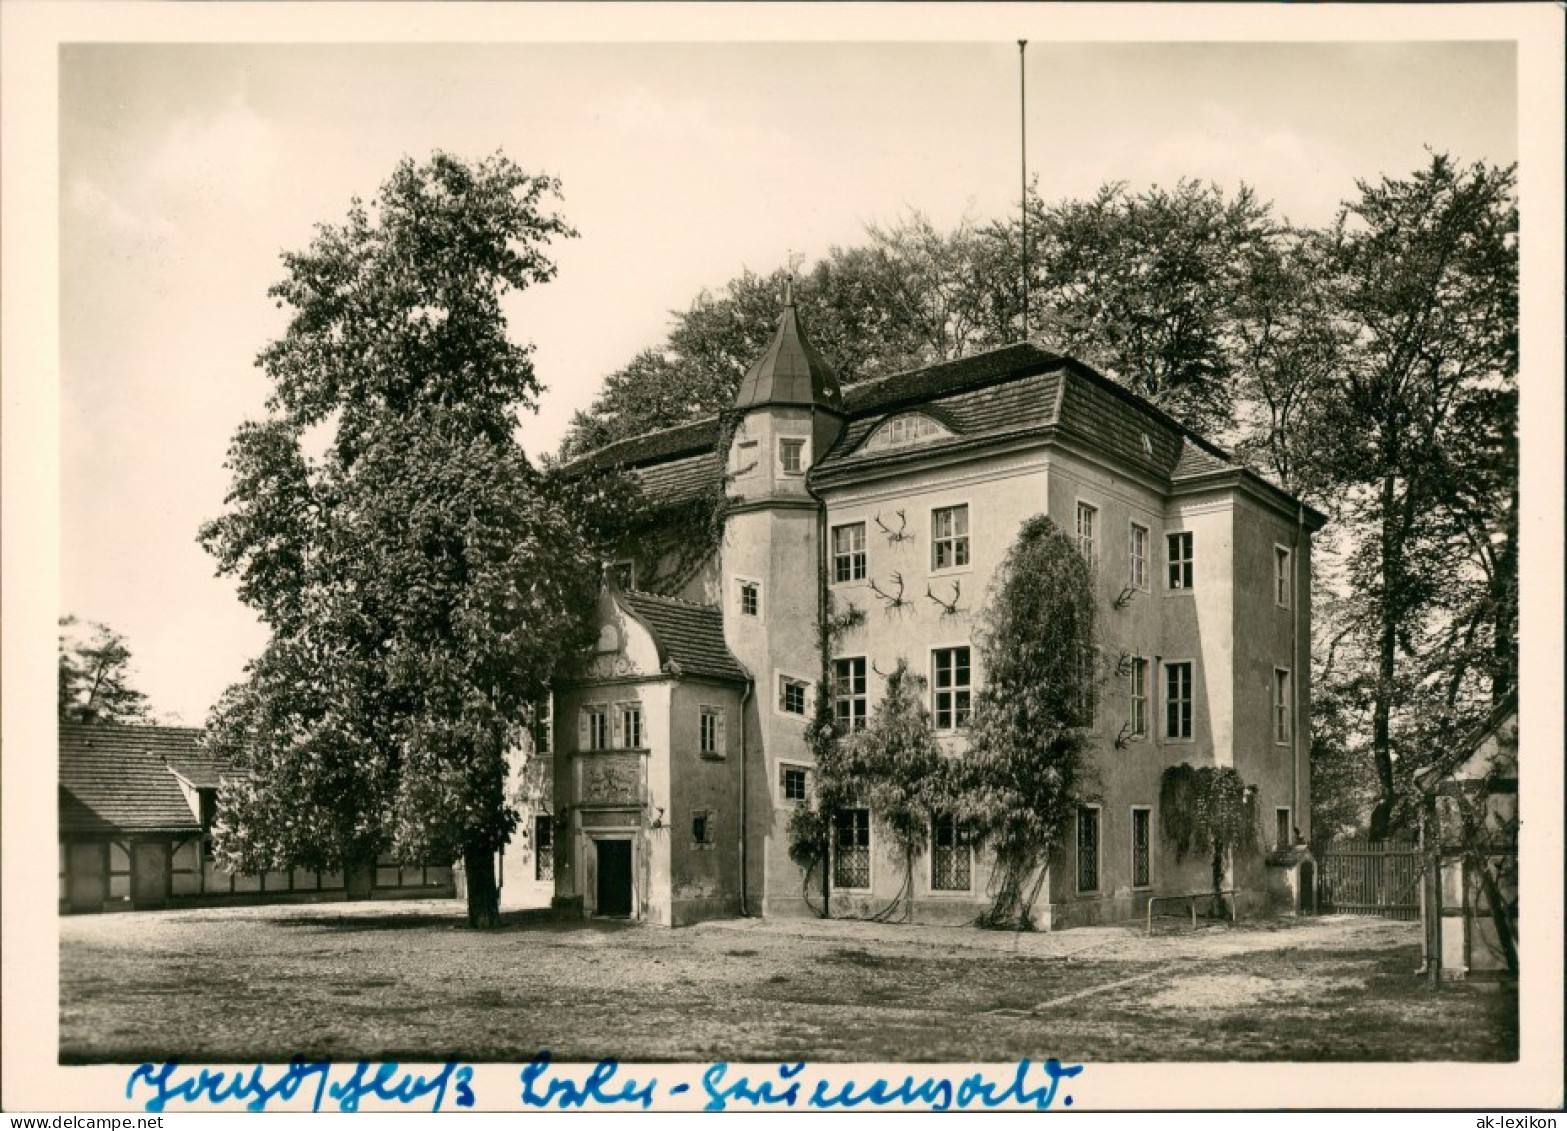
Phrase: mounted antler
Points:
(1124, 739)
(893, 601)
(1124, 598)
(1123, 663)
(948, 608)
(899, 535)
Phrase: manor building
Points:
(679, 752)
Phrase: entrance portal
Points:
(150, 874)
(614, 877)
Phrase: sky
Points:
(186, 169)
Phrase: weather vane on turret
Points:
(794, 261)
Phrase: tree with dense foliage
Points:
(421, 579)
(1027, 768)
(1148, 287)
(1415, 435)
(95, 676)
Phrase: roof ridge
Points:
(701, 421)
(110, 724)
(861, 384)
(670, 600)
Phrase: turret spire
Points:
(790, 371)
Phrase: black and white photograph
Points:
(783, 558)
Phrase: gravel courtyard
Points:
(408, 981)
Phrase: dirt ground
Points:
(408, 981)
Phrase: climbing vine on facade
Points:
(1210, 810)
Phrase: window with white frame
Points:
(1142, 842)
(1283, 829)
(793, 783)
(1281, 705)
(1087, 520)
(851, 858)
(1179, 548)
(848, 693)
(949, 537)
(951, 855)
(1087, 848)
(791, 456)
(704, 827)
(1139, 719)
(1178, 700)
(630, 726)
(593, 728)
(711, 728)
(1139, 557)
(750, 598)
(848, 552)
(1282, 577)
(791, 695)
(953, 694)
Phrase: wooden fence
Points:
(1381, 878)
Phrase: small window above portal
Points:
(905, 430)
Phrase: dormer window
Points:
(902, 431)
(791, 456)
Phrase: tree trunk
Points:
(484, 897)
(1387, 644)
(1217, 910)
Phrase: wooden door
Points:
(614, 877)
(87, 876)
(150, 873)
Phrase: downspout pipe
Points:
(825, 644)
(745, 699)
(1301, 670)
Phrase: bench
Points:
(1191, 899)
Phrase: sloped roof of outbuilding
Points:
(122, 778)
(689, 637)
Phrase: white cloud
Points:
(222, 158)
(113, 217)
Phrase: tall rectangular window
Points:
(631, 726)
(1087, 848)
(711, 727)
(543, 846)
(543, 726)
(1142, 825)
(848, 552)
(593, 729)
(848, 689)
(951, 857)
(791, 695)
(851, 858)
(1180, 554)
(750, 598)
(949, 537)
(624, 574)
(1281, 705)
(791, 455)
(1087, 517)
(1139, 718)
(1178, 700)
(1281, 577)
(1139, 556)
(1283, 828)
(954, 698)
